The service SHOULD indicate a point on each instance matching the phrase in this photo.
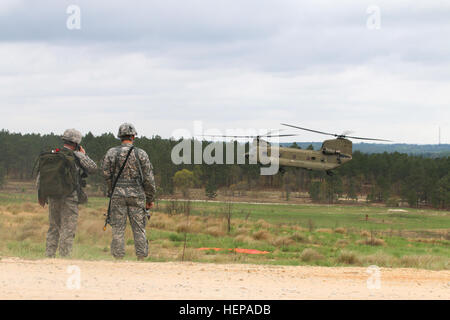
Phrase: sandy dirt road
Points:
(49, 279)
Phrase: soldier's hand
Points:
(82, 150)
(148, 205)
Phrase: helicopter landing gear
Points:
(330, 173)
(282, 170)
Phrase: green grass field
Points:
(292, 234)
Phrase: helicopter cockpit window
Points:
(313, 158)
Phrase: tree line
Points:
(391, 178)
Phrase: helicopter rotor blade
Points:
(335, 135)
(269, 133)
(360, 138)
(225, 136)
(246, 137)
(321, 132)
(281, 135)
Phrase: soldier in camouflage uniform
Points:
(133, 194)
(63, 212)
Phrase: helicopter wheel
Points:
(330, 173)
(282, 170)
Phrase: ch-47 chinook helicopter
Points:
(332, 154)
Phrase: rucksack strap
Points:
(141, 176)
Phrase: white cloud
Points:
(163, 65)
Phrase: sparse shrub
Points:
(261, 235)
(182, 227)
(348, 257)
(341, 243)
(191, 227)
(324, 230)
(166, 244)
(298, 228)
(243, 238)
(424, 261)
(365, 233)
(158, 223)
(263, 224)
(340, 230)
(242, 231)
(189, 255)
(215, 231)
(310, 254)
(298, 237)
(282, 241)
(372, 242)
(380, 259)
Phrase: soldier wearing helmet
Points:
(63, 212)
(133, 194)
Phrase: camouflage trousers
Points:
(133, 208)
(63, 216)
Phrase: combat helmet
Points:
(72, 135)
(126, 129)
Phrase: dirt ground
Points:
(58, 279)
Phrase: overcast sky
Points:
(230, 64)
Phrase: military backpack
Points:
(58, 174)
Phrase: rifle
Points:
(108, 215)
(147, 214)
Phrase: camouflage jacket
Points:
(87, 164)
(137, 177)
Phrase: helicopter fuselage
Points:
(333, 154)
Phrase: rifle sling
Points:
(114, 185)
(120, 171)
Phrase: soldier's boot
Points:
(50, 250)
